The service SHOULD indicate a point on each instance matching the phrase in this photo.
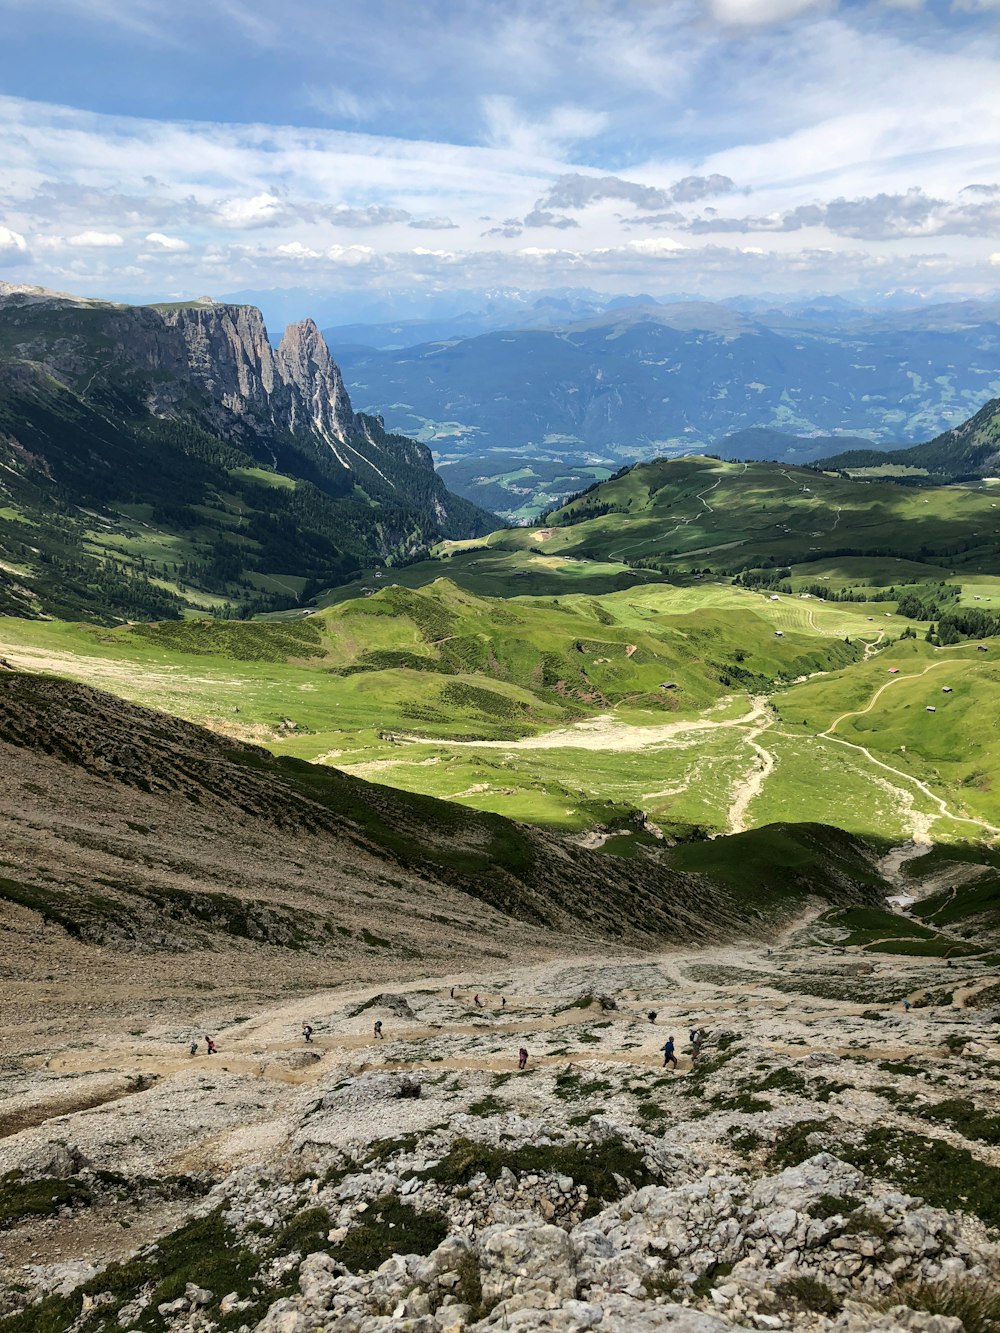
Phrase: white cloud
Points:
(549, 135)
(260, 210)
(655, 246)
(372, 215)
(13, 247)
(165, 242)
(296, 250)
(758, 13)
(350, 255)
(96, 240)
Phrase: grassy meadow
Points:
(534, 673)
(701, 706)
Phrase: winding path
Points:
(944, 812)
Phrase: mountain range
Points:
(662, 380)
(162, 457)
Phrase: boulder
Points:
(525, 1260)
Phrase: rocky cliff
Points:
(105, 405)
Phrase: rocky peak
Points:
(317, 399)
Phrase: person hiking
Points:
(193, 1048)
(378, 1030)
(522, 1057)
(695, 1035)
(307, 1033)
(503, 1001)
(211, 1047)
(478, 1000)
(453, 992)
(668, 1053)
(652, 1015)
(906, 1005)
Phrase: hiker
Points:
(522, 1057)
(906, 1004)
(668, 1053)
(503, 1001)
(211, 1047)
(478, 1001)
(652, 1015)
(453, 992)
(307, 1033)
(193, 1048)
(378, 1030)
(695, 1036)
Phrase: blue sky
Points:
(161, 148)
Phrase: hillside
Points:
(696, 513)
(160, 458)
(967, 451)
(128, 832)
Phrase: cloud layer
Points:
(713, 146)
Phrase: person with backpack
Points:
(378, 1030)
(307, 1033)
(211, 1046)
(522, 1057)
(668, 1053)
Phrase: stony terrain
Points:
(831, 1160)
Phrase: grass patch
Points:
(488, 1105)
(594, 1165)
(20, 1198)
(975, 1301)
(391, 1226)
(946, 1177)
(806, 1293)
(571, 1087)
(963, 1115)
(306, 1232)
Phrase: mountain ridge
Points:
(183, 419)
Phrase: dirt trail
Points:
(920, 822)
(750, 787)
(604, 732)
(250, 1098)
(860, 712)
(943, 809)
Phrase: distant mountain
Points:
(761, 443)
(969, 450)
(672, 379)
(162, 457)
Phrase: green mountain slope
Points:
(156, 459)
(698, 513)
(969, 450)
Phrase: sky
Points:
(403, 149)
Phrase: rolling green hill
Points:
(682, 709)
(694, 514)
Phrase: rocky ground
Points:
(830, 1161)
